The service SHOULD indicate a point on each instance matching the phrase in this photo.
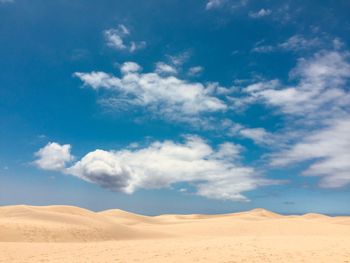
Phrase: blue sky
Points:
(176, 107)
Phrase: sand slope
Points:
(72, 234)
(61, 224)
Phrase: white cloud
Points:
(130, 67)
(53, 156)
(318, 117)
(328, 148)
(298, 42)
(116, 38)
(163, 68)
(261, 13)
(294, 43)
(179, 59)
(211, 4)
(258, 135)
(320, 88)
(213, 173)
(195, 71)
(263, 49)
(168, 96)
(214, 4)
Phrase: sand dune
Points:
(73, 234)
(60, 224)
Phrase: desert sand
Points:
(72, 234)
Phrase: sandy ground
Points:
(72, 234)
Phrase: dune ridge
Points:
(74, 224)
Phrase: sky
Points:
(164, 106)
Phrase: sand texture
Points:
(72, 234)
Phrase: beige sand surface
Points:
(72, 234)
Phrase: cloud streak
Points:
(328, 148)
(320, 90)
(317, 108)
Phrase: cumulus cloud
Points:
(214, 173)
(328, 148)
(161, 94)
(117, 38)
(53, 156)
(261, 13)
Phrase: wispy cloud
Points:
(117, 38)
(294, 43)
(163, 68)
(320, 89)
(328, 148)
(261, 13)
(159, 93)
(318, 113)
(195, 71)
(231, 4)
(211, 4)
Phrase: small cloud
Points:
(263, 49)
(130, 67)
(212, 4)
(117, 39)
(294, 43)
(215, 4)
(163, 68)
(258, 135)
(261, 13)
(195, 71)
(338, 44)
(179, 59)
(53, 156)
(298, 42)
